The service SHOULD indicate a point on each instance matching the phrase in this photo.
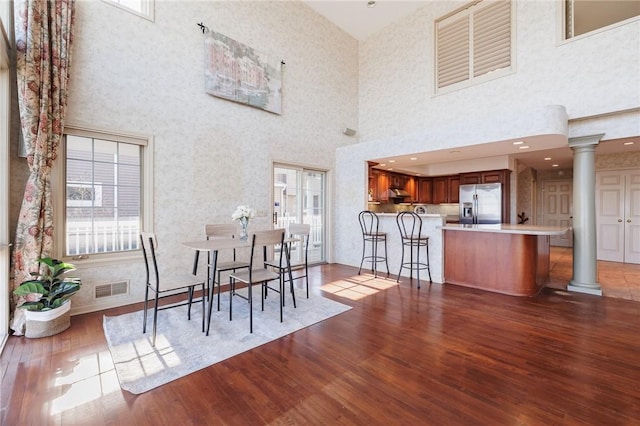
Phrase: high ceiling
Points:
(361, 21)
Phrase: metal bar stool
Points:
(410, 225)
(370, 234)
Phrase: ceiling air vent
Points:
(112, 289)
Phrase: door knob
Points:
(628, 220)
(619, 220)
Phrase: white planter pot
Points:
(48, 323)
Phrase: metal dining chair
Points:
(410, 226)
(165, 284)
(299, 234)
(225, 230)
(260, 273)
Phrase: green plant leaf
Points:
(29, 287)
(64, 288)
(32, 306)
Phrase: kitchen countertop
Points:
(506, 228)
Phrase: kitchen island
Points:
(503, 258)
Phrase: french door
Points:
(299, 196)
(4, 181)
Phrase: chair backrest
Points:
(220, 230)
(368, 222)
(302, 231)
(409, 224)
(149, 244)
(266, 239)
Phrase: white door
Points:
(618, 216)
(557, 204)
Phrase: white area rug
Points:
(182, 348)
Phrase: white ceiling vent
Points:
(112, 289)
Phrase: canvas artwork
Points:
(237, 72)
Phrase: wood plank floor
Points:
(441, 355)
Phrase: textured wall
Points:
(130, 74)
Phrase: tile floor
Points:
(619, 280)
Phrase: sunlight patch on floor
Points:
(358, 287)
(87, 379)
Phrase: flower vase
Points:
(244, 222)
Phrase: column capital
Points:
(583, 141)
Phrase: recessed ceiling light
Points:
(523, 147)
(628, 143)
(413, 158)
(382, 165)
(390, 168)
(455, 151)
(518, 143)
(371, 4)
(392, 161)
(554, 165)
(547, 158)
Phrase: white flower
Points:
(243, 212)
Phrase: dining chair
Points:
(410, 227)
(224, 230)
(259, 273)
(165, 284)
(299, 234)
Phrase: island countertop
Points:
(506, 228)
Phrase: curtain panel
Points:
(43, 36)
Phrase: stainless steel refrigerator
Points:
(481, 203)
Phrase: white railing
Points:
(101, 237)
(315, 235)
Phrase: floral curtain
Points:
(43, 35)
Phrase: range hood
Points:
(398, 193)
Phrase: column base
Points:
(577, 287)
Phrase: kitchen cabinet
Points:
(425, 188)
(383, 186)
(373, 185)
(411, 187)
(446, 189)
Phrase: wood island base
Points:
(511, 263)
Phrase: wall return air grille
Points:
(112, 289)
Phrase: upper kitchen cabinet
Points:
(493, 176)
(384, 182)
(446, 189)
(425, 190)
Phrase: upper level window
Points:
(584, 16)
(106, 186)
(144, 8)
(474, 44)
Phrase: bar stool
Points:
(370, 234)
(410, 225)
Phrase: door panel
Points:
(558, 205)
(632, 218)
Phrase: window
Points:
(143, 8)
(106, 201)
(584, 16)
(474, 44)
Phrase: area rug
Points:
(182, 348)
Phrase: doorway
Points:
(299, 196)
(618, 215)
(557, 204)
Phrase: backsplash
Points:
(446, 209)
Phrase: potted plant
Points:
(47, 297)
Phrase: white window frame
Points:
(147, 8)
(59, 202)
(469, 11)
(562, 23)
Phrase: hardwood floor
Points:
(619, 280)
(439, 355)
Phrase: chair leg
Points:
(364, 250)
(231, 291)
(401, 263)
(203, 305)
(219, 289)
(146, 301)
(190, 298)
(250, 308)
(386, 261)
(155, 321)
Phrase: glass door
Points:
(4, 180)
(299, 196)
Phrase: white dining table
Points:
(212, 247)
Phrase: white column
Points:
(585, 273)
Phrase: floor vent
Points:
(112, 289)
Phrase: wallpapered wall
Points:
(130, 74)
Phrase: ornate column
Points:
(585, 275)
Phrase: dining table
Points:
(212, 247)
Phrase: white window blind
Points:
(473, 43)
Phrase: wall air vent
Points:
(112, 289)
